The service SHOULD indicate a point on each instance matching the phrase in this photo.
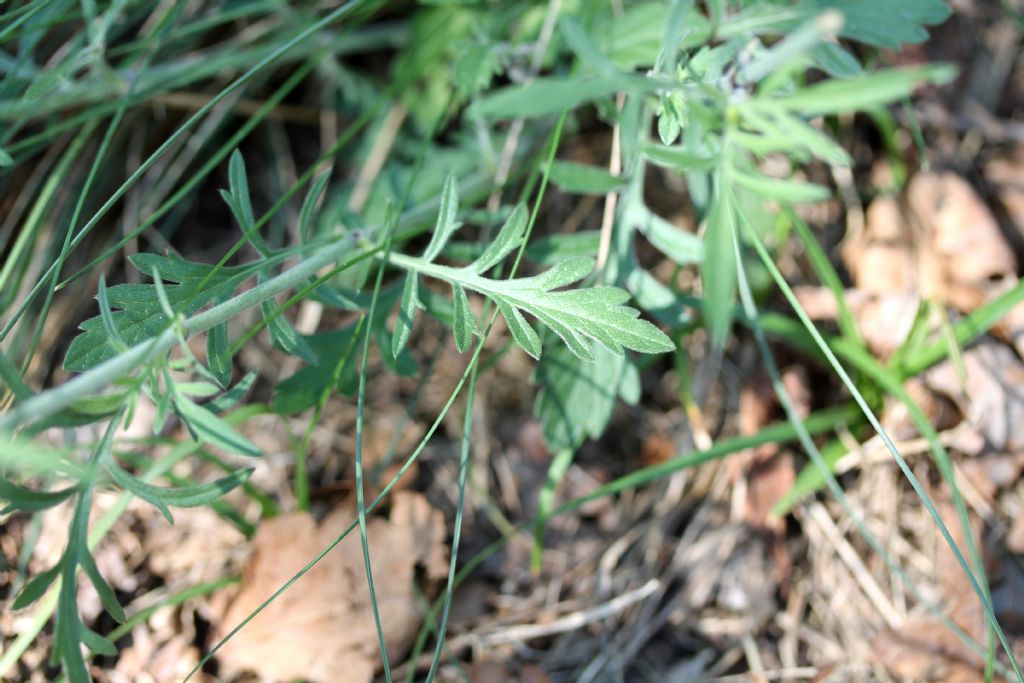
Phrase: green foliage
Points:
(135, 312)
(724, 84)
(576, 399)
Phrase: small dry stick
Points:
(570, 622)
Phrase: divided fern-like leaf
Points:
(579, 317)
(135, 309)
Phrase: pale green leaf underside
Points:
(579, 317)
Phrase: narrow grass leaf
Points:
(827, 274)
(557, 470)
(446, 223)
(5, 158)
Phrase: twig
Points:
(570, 622)
(611, 199)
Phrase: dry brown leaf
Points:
(952, 251)
(963, 251)
(882, 258)
(322, 628)
(992, 398)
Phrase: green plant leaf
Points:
(183, 496)
(239, 184)
(139, 488)
(884, 23)
(36, 587)
(683, 247)
(309, 205)
(25, 499)
(218, 354)
(576, 399)
(464, 324)
(781, 189)
(655, 298)
(857, 94)
(509, 237)
(97, 643)
(585, 48)
(552, 249)
(103, 589)
(780, 131)
(677, 158)
(577, 316)
(553, 95)
(446, 223)
(6, 159)
(583, 179)
(207, 427)
(836, 60)
(141, 316)
(475, 66)
(284, 336)
(522, 332)
(718, 273)
(303, 389)
(634, 37)
(232, 396)
(407, 306)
